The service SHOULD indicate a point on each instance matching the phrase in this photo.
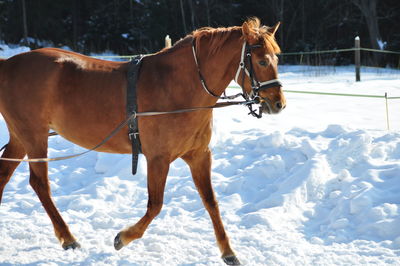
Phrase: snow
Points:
(315, 185)
(8, 51)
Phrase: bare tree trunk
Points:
(208, 14)
(192, 13)
(277, 7)
(183, 17)
(24, 24)
(75, 24)
(368, 9)
(131, 11)
(303, 22)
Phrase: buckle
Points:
(133, 135)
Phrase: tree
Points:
(24, 23)
(132, 27)
(183, 16)
(75, 17)
(369, 11)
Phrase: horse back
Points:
(80, 97)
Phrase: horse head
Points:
(258, 68)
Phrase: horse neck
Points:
(219, 67)
(173, 76)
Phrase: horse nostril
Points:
(278, 105)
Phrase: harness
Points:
(131, 109)
(251, 98)
(245, 65)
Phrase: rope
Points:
(122, 125)
(41, 160)
(379, 51)
(336, 94)
(129, 57)
(283, 54)
(339, 51)
(319, 52)
(331, 93)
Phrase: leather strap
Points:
(131, 108)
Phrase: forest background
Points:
(140, 26)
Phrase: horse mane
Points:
(218, 36)
(264, 35)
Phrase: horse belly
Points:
(89, 106)
(90, 122)
(175, 135)
(80, 98)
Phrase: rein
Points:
(203, 81)
(121, 126)
(249, 99)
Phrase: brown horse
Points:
(83, 99)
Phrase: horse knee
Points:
(5, 176)
(153, 209)
(5, 173)
(11, 150)
(7, 168)
(34, 184)
(211, 204)
(38, 185)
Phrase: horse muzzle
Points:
(267, 107)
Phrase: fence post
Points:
(387, 111)
(357, 57)
(167, 41)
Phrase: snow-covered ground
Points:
(317, 184)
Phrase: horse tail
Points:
(1, 62)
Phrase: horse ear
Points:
(273, 29)
(249, 34)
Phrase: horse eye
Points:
(263, 62)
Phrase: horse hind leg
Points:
(34, 140)
(13, 149)
(40, 183)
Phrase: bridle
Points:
(245, 65)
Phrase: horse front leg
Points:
(157, 171)
(199, 162)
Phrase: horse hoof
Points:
(231, 260)
(118, 242)
(72, 245)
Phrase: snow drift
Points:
(315, 185)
